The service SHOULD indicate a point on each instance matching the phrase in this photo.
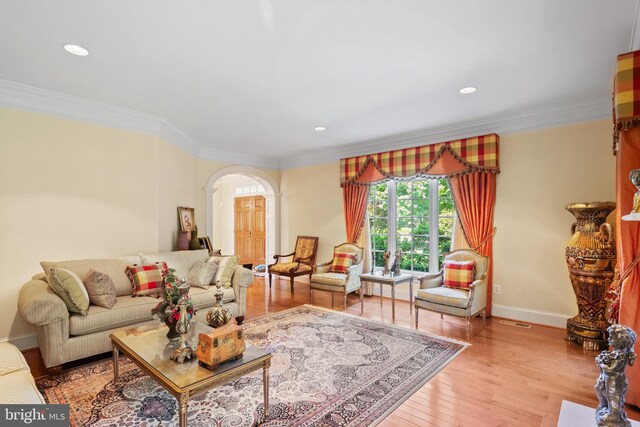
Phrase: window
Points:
(414, 216)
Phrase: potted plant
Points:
(168, 310)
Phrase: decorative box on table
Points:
(220, 345)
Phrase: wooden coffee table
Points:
(390, 280)
(148, 347)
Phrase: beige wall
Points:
(541, 172)
(71, 189)
(312, 206)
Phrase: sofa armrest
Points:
(431, 280)
(38, 304)
(242, 278)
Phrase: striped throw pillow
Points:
(146, 279)
(459, 274)
(342, 261)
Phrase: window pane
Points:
(445, 226)
(444, 246)
(420, 262)
(380, 226)
(405, 262)
(421, 207)
(421, 244)
(421, 189)
(404, 207)
(381, 209)
(403, 225)
(421, 225)
(403, 190)
(379, 259)
(404, 243)
(445, 202)
(380, 242)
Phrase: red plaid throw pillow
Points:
(342, 261)
(146, 279)
(459, 274)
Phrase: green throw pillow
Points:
(226, 267)
(70, 289)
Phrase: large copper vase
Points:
(591, 258)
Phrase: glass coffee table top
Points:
(149, 345)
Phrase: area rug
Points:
(328, 369)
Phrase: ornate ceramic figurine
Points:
(219, 315)
(395, 268)
(634, 176)
(387, 256)
(611, 386)
(183, 326)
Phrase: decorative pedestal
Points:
(591, 258)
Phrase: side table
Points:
(387, 280)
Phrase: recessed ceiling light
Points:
(467, 90)
(320, 128)
(74, 49)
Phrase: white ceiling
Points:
(253, 78)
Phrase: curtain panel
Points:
(450, 158)
(355, 208)
(626, 116)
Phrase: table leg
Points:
(411, 296)
(265, 381)
(116, 370)
(380, 294)
(361, 297)
(182, 417)
(393, 303)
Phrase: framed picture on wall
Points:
(206, 243)
(187, 218)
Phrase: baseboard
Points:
(557, 320)
(23, 342)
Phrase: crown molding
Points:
(36, 100)
(29, 98)
(500, 124)
(238, 158)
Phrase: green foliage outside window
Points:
(412, 222)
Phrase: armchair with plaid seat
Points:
(303, 258)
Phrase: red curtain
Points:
(355, 208)
(475, 196)
(628, 241)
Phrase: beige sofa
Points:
(64, 336)
(16, 383)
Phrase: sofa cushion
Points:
(333, 279)
(202, 273)
(70, 289)
(446, 296)
(205, 299)
(113, 267)
(146, 279)
(284, 267)
(19, 388)
(102, 291)
(126, 311)
(11, 359)
(226, 267)
(180, 261)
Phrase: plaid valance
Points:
(479, 153)
(626, 94)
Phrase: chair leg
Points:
(310, 295)
(332, 295)
(416, 317)
(345, 300)
(441, 316)
(291, 284)
(484, 318)
(269, 280)
(468, 327)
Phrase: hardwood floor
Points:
(509, 376)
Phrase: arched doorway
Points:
(272, 199)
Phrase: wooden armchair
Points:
(302, 261)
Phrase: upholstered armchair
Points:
(467, 300)
(303, 258)
(338, 275)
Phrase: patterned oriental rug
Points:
(328, 369)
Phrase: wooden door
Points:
(249, 229)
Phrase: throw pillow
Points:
(202, 273)
(226, 267)
(458, 274)
(102, 291)
(342, 261)
(70, 289)
(146, 279)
